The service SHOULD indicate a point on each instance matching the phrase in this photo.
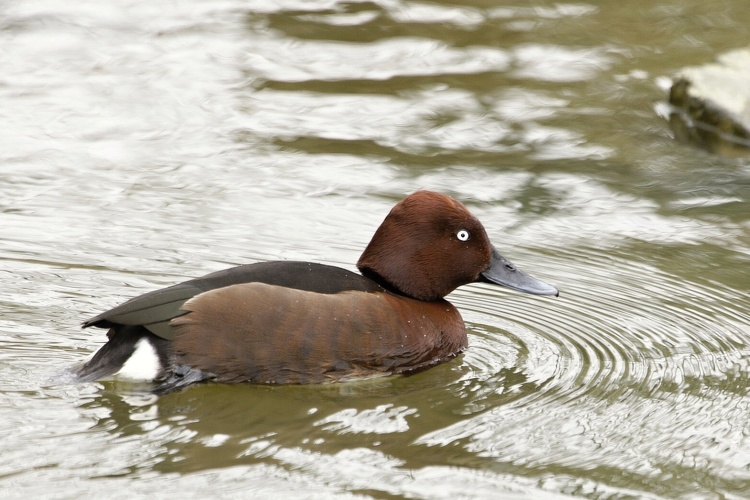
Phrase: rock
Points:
(710, 104)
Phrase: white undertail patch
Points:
(143, 364)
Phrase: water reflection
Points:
(144, 144)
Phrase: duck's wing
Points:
(154, 310)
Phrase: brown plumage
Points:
(297, 336)
(299, 322)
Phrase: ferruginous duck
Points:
(304, 323)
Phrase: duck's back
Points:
(155, 309)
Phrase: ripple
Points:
(626, 352)
(146, 143)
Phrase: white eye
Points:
(463, 235)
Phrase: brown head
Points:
(429, 244)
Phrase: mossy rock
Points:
(710, 105)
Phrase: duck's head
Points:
(429, 244)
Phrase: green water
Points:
(145, 143)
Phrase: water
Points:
(146, 143)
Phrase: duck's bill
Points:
(502, 272)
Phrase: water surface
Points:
(146, 143)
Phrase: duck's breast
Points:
(270, 334)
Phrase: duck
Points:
(294, 322)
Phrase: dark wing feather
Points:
(155, 309)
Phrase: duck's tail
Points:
(134, 353)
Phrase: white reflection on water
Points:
(383, 419)
(145, 143)
(381, 60)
